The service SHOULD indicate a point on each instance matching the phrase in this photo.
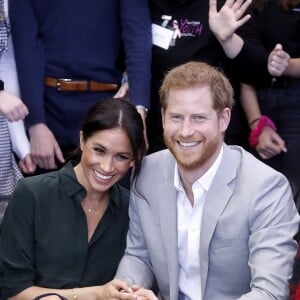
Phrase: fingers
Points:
(121, 285)
(278, 47)
(58, 153)
(145, 294)
(243, 20)
(279, 142)
(267, 152)
(16, 113)
(240, 6)
(229, 3)
(26, 164)
(43, 147)
(278, 61)
(270, 143)
(264, 155)
(44, 158)
(12, 107)
(212, 6)
(123, 91)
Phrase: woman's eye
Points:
(99, 150)
(121, 157)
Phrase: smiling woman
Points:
(68, 227)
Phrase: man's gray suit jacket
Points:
(246, 239)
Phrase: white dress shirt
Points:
(188, 226)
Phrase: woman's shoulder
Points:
(39, 182)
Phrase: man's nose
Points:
(186, 128)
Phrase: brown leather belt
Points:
(70, 85)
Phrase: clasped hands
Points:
(120, 290)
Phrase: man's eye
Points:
(176, 117)
(199, 118)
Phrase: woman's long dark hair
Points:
(116, 113)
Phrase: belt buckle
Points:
(60, 81)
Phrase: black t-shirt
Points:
(196, 43)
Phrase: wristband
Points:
(1, 85)
(255, 132)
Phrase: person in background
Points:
(207, 226)
(68, 227)
(13, 139)
(271, 101)
(69, 55)
(189, 22)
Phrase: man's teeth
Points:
(102, 176)
(190, 144)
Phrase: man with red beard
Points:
(207, 221)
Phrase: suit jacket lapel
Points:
(217, 197)
(166, 193)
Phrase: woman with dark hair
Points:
(64, 232)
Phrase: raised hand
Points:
(228, 19)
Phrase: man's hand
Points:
(12, 107)
(44, 147)
(270, 143)
(122, 91)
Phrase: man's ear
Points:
(224, 119)
(162, 111)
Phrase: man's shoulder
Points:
(160, 158)
(249, 166)
(157, 166)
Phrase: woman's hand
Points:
(270, 143)
(138, 293)
(278, 61)
(228, 19)
(113, 290)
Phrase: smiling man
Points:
(208, 221)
